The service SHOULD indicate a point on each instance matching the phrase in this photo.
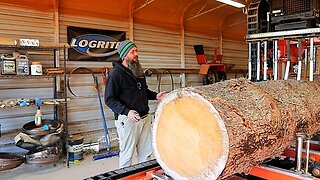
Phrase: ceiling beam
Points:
(205, 12)
(184, 12)
(144, 5)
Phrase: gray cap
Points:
(125, 47)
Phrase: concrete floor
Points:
(81, 170)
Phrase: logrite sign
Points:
(93, 45)
(85, 44)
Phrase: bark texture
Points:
(261, 119)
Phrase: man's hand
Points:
(134, 116)
(160, 95)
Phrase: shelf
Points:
(26, 77)
(5, 103)
(8, 43)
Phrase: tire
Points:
(210, 78)
(222, 76)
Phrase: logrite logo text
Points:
(95, 45)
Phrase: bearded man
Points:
(127, 95)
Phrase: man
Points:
(127, 94)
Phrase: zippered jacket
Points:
(125, 92)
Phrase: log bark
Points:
(214, 131)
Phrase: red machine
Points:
(298, 162)
(213, 71)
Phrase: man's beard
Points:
(135, 68)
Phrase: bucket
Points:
(75, 149)
(36, 69)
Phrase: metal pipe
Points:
(311, 59)
(286, 75)
(249, 62)
(265, 65)
(307, 155)
(299, 143)
(275, 60)
(314, 58)
(258, 61)
(306, 60)
(299, 59)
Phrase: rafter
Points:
(205, 12)
(143, 5)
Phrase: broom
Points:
(105, 128)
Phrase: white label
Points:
(36, 70)
(29, 42)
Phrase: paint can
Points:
(75, 149)
(36, 69)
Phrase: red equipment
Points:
(213, 71)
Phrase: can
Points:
(8, 65)
(22, 63)
(75, 149)
(36, 69)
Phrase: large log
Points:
(214, 131)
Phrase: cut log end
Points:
(190, 139)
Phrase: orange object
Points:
(315, 155)
(204, 68)
(105, 73)
(271, 173)
(144, 175)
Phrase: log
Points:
(214, 131)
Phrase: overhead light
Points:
(232, 3)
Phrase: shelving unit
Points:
(7, 45)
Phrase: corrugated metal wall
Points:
(21, 23)
(235, 52)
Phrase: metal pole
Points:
(314, 58)
(249, 62)
(307, 155)
(276, 60)
(299, 143)
(265, 65)
(286, 75)
(306, 60)
(299, 59)
(258, 61)
(311, 59)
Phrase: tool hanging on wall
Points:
(78, 69)
(171, 77)
(105, 71)
(105, 128)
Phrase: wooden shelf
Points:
(26, 77)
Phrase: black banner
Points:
(93, 44)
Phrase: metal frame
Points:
(311, 32)
(259, 38)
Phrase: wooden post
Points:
(214, 131)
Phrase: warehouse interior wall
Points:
(159, 47)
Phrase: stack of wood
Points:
(214, 131)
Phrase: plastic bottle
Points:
(38, 117)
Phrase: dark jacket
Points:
(125, 92)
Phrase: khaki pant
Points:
(134, 136)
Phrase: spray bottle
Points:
(38, 117)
